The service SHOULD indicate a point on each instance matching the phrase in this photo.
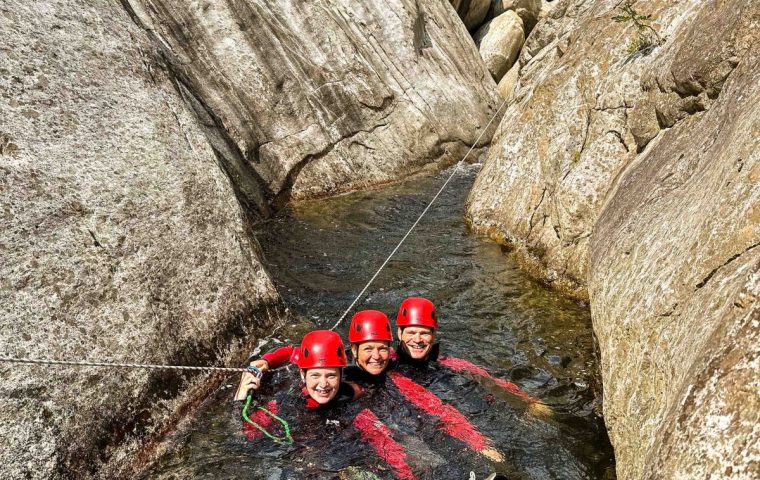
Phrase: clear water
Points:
(320, 255)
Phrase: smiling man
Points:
(417, 324)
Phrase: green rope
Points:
(284, 439)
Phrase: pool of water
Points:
(320, 255)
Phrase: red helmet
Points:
(322, 349)
(369, 326)
(417, 312)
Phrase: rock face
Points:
(121, 240)
(311, 93)
(499, 43)
(527, 10)
(636, 174)
(508, 82)
(472, 12)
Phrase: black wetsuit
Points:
(405, 359)
(356, 374)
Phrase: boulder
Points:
(528, 11)
(311, 93)
(626, 174)
(472, 12)
(122, 240)
(499, 43)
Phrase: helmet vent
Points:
(306, 352)
(404, 312)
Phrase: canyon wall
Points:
(139, 141)
(121, 240)
(319, 98)
(625, 172)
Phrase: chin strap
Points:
(287, 438)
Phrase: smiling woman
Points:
(370, 337)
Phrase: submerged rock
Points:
(499, 43)
(121, 240)
(627, 172)
(322, 98)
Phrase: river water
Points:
(320, 255)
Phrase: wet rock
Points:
(499, 43)
(121, 240)
(309, 94)
(627, 174)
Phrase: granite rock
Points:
(323, 98)
(499, 43)
(626, 174)
(122, 240)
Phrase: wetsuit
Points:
(356, 374)
(287, 354)
(278, 357)
(346, 393)
(404, 358)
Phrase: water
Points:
(320, 255)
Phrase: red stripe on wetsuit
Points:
(461, 365)
(453, 422)
(378, 435)
(262, 419)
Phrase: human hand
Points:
(250, 380)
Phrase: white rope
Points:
(44, 361)
(419, 218)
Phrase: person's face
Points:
(322, 383)
(372, 356)
(418, 340)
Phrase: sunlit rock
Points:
(527, 10)
(626, 171)
(499, 43)
(121, 240)
(508, 82)
(311, 93)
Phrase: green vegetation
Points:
(646, 37)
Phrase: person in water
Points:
(370, 337)
(417, 325)
(321, 359)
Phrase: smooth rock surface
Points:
(326, 97)
(499, 43)
(508, 82)
(638, 172)
(121, 240)
(527, 10)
